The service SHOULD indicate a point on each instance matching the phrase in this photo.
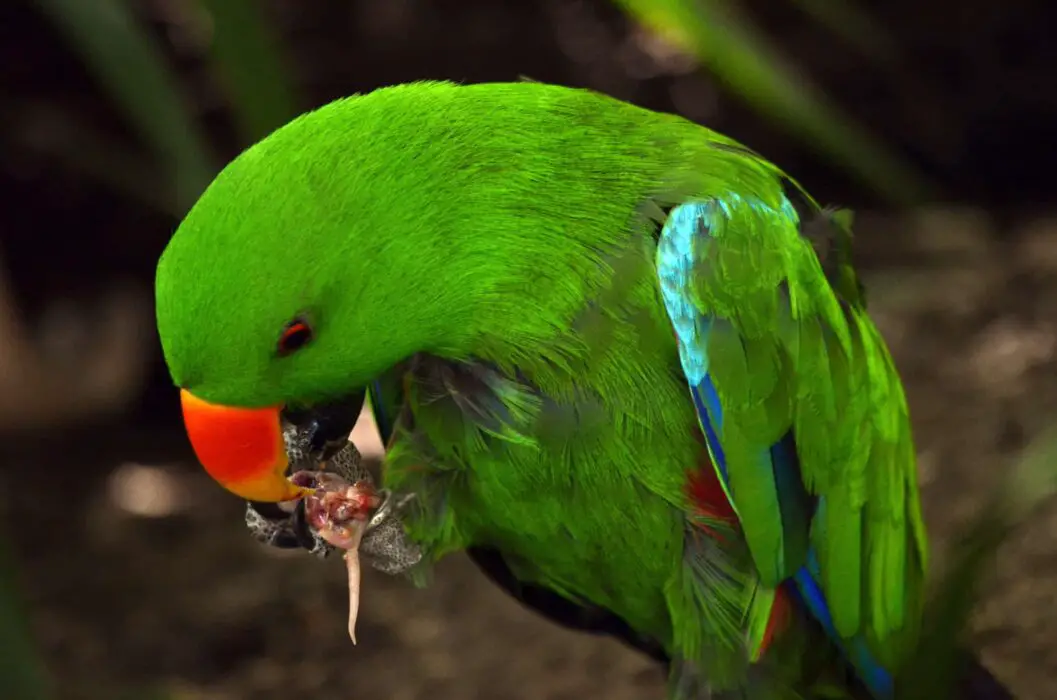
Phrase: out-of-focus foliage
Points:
(852, 22)
(248, 61)
(936, 664)
(131, 67)
(716, 33)
(21, 673)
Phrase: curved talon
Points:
(382, 512)
(300, 526)
(387, 507)
(274, 527)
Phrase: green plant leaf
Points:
(247, 57)
(853, 24)
(62, 136)
(934, 667)
(21, 671)
(127, 62)
(730, 47)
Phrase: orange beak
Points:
(241, 448)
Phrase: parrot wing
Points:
(804, 415)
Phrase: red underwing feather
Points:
(710, 500)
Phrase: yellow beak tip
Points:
(270, 488)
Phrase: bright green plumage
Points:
(501, 238)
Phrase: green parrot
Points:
(621, 358)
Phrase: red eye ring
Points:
(295, 336)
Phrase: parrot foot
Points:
(285, 526)
(273, 526)
(355, 517)
(383, 541)
(385, 544)
(343, 512)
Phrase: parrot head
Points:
(422, 218)
(278, 292)
(254, 333)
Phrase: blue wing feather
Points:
(679, 249)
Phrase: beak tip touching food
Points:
(242, 449)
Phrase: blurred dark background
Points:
(938, 121)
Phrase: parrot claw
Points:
(390, 506)
(379, 516)
(344, 512)
(274, 527)
(385, 543)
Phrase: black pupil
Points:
(295, 337)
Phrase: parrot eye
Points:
(295, 336)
